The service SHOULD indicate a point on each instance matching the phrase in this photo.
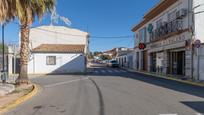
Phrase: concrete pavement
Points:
(6, 88)
(108, 91)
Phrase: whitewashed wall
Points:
(199, 64)
(122, 62)
(199, 19)
(65, 63)
(187, 21)
(57, 35)
(130, 60)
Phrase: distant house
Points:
(125, 58)
(113, 52)
(57, 50)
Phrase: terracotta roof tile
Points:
(59, 48)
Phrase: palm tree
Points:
(25, 11)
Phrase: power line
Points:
(129, 36)
(95, 37)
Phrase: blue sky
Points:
(99, 18)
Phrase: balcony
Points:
(167, 30)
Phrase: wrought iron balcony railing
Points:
(166, 28)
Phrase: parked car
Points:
(113, 63)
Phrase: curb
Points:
(170, 78)
(20, 100)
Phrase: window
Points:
(51, 60)
(136, 39)
(142, 35)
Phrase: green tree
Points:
(1, 48)
(25, 11)
(105, 57)
(90, 56)
(97, 53)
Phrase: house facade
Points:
(199, 63)
(125, 58)
(57, 50)
(57, 59)
(113, 52)
(58, 35)
(169, 30)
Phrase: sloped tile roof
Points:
(59, 48)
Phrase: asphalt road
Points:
(109, 91)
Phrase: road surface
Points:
(109, 91)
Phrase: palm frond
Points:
(24, 10)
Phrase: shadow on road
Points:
(197, 106)
(173, 85)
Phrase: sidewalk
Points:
(16, 97)
(6, 89)
(186, 81)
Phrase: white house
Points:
(169, 30)
(199, 63)
(125, 58)
(57, 50)
(58, 35)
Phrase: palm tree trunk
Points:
(24, 55)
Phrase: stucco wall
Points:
(187, 23)
(199, 64)
(181, 4)
(130, 60)
(57, 35)
(65, 63)
(199, 20)
(122, 62)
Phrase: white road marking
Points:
(66, 82)
(96, 71)
(103, 71)
(116, 71)
(110, 71)
(199, 114)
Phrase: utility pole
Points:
(3, 52)
(14, 48)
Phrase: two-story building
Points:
(169, 30)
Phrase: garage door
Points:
(201, 68)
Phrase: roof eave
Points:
(153, 12)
